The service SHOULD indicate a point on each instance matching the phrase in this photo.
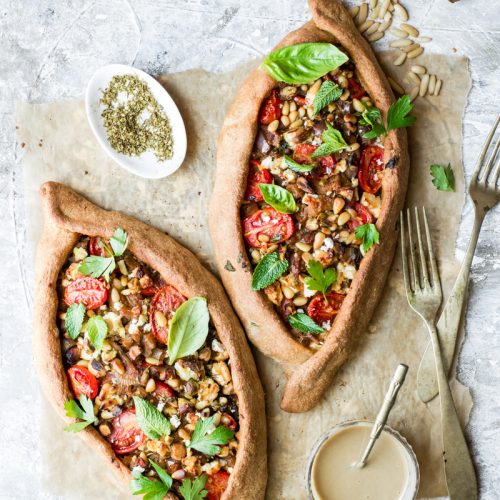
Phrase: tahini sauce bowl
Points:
(146, 165)
(409, 462)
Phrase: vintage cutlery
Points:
(423, 291)
(484, 191)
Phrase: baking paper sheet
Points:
(59, 145)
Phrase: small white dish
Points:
(146, 165)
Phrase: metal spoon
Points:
(383, 414)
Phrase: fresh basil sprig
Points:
(268, 270)
(97, 329)
(73, 320)
(188, 329)
(304, 62)
(332, 142)
(303, 323)
(208, 443)
(279, 198)
(84, 411)
(368, 234)
(150, 419)
(297, 167)
(318, 279)
(327, 93)
(194, 489)
(151, 488)
(443, 177)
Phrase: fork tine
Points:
(487, 143)
(489, 166)
(416, 281)
(423, 266)
(497, 173)
(406, 274)
(432, 258)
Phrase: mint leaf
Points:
(97, 329)
(324, 149)
(150, 488)
(150, 419)
(268, 270)
(303, 323)
(397, 114)
(73, 320)
(96, 266)
(207, 443)
(327, 93)
(193, 489)
(333, 140)
(188, 329)
(318, 279)
(368, 234)
(119, 242)
(296, 167)
(279, 198)
(443, 177)
(84, 412)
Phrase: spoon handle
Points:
(389, 400)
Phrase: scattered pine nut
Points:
(419, 70)
(401, 12)
(411, 30)
(415, 52)
(373, 4)
(424, 39)
(354, 11)
(400, 59)
(414, 93)
(432, 84)
(372, 28)
(395, 86)
(391, 8)
(414, 78)
(401, 43)
(411, 47)
(375, 36)
(374, 14)
(383, 8)
(398, 33)
(364, 26)
(438, 87)
(386, 23)
(362, 14)
(424, 85)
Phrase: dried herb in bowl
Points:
(133, 119)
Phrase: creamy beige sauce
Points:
(384, 477)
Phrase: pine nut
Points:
(160, 319)
(117, 366)
(104, 430)
(414, 93)
(295, 124)
(374, 13)
(288, 292)
(387, 22)
(438, 87)
(411, 30)
(343, 82)
(151, 385)
(411, 47)
(343, 218)
(424, 84)
(358, 105)
(300, 301)
(153, 361)
(306, 257)
(423, 39)
(303, 247)
(383, 8)
(273, 126)
(338, 205)
(401, 12)
(400, 59)
(124, 281)
(362, 14)
(375, 36)
(363, 27)
(285, 120)
(318, 240)
(432, 84)
(395, 86)
(398, 33)
(419, 70)
(353, 11)
(373, 4)
(263, 238)
(293, 106)
(414, 78)
(293, 116)
(285, 109)
(400, 43)
(353, 147)
(272, 248)
(345, 95)
(372, 28)
(302, 112)
(255, 255)
(415, 52)
(115, 295)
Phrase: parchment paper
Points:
(60, 146)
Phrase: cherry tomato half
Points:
(91, 292)
(127, 436)
(301, 101)
(364, 215)
(149, 291)
(96, 247)
(321, 310)
(256, 176)
(228, 421)
(163, 391)
(268, 222)
(270, 109)
(356, 90)
(166, 300)
(303, 152)
(82, 382)
(371, 164)
(216, 485)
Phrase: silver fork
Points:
(485, 193)
(423, 290)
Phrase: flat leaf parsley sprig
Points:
(83, 411)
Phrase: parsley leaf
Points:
(150, 419)
(193, 489)
(296, 167)
(332, 142)
(327, 93)
(443, 177)
(373, 118)
(150, 488)
(397, 116)
(303, 323)
(73, 320)
(119, 242)
(317, 279)
(268, 270)
(84, 412)
(368, 234)
(207, 443)
(96, 266)
(97, 329)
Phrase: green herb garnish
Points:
(119, 242)
(73, 320)
(318, 279)
(327, 93)
(150, 419)
(368, 234)
(151, 488)
(303, 323)
(208, 443)
(279, 198)
(268, 270)
(193, 489)
(84, 412)
(97, 329)
(296, 167)
(443, 177)
(332, 142)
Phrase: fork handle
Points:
(449, 321)
(458, 466)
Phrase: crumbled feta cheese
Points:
(326, 325)
(175, 421)
(138, 469)
(327, 245)
(217, 346)
(300, 310)
(80, 253)
(289, 175)
(132, 327)
(146, 328)
(160, 405)
(117, 306)
(267, 162)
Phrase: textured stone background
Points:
(48, 51)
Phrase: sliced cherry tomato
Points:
(321, 310)
(356, 90)
(256, 176)
(228, 421)
(363, 213)
(166, 300)
(325, 168)
(163, 391)
(82, 382)
(268, 222)
(371, 164)
(270, 109)
(96, 247)
(149, 291)
(91, 292)
(216, 485)
(127, 436)
(301, 101)
(303, 152)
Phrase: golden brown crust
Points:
(331, 22)
(67, 215)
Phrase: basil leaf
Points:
(193, 489)
(119, 242)
(150, 419)
(279, 198)
(268, 270)
(443, 177)
(368, 234)
(207, 443)
(96, 266)
(188, 329)
(333, 140)
(303, 323)
(327, 93)
(73, 320)
(397, 114)
(296, 167)
(97, 329)
(304, 62)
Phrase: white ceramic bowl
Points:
(145, 165)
